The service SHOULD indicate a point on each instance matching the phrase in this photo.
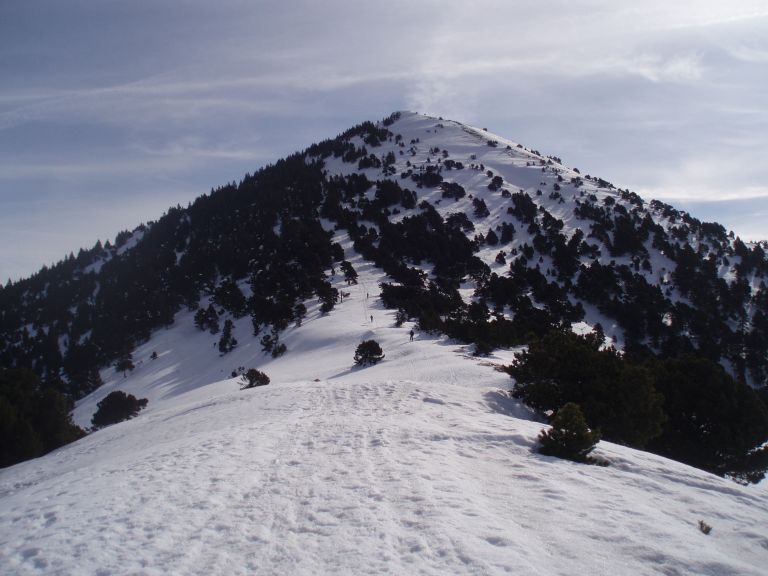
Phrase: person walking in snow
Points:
(411, 334)
(371, 318)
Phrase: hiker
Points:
(411, 335)
(371, 318)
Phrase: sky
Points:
(113, 111)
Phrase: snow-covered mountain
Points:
(418, 465)
(422, 463)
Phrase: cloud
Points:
(745, 216)
(666, 98)
(678, 68)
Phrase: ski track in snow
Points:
(418, 465)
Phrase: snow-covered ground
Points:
(418, 465)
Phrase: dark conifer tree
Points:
(569, 437)
(116, 407)
(368, 352)
(227, 341)
(350, 274)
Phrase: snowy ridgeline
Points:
(418, 465)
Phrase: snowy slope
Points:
(428, 142)
(521, 171)
(419, 465)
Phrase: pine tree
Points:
(253, 378)
(368, 352)
(569, 437)
(350, 274)
(616, 396)
(227, 342)
(125, 363)
(207, 319)
(230, 297)
(116, 407)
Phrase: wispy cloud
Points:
(667, 98)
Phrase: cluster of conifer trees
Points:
(686, 408)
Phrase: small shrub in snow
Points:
(253, 378)
(279, 350)
(271, 344)
(482, 348)
(569, 437)
(116, 407)
(368, 352)
(125, 364)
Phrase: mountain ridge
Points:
(479, 237)
(427, 461)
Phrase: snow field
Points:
(419, 464)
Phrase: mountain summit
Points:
(467, 258)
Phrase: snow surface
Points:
(418, 465)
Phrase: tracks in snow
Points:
(348, 471)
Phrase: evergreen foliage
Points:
(227, 341)
(453, 190)
(253, 378)
(229, 296)
(116, 407)
(687, 408)
(713, 421)
(616, 397)
(368, 352)
(350, 274)
(125, 363)
(207, 319)
(270, 343)
(569, 437)
(33, 420)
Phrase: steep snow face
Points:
(418, 465)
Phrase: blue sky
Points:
(112, 111)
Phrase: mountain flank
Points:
(655, 323)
